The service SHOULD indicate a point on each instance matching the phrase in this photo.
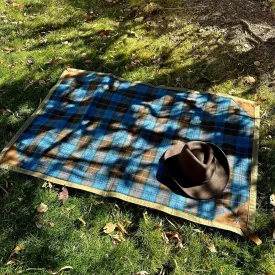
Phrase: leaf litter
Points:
(42, 208)
(272, 200)
(8, 50)
(116, 231)
(82, 221)
(173, 237)
(16, 251)
(88, 61)
(64, 194)
(207, 240)
(109, 228)
(142, 273)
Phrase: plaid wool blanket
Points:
(105, 135)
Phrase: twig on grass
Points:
(4, 189)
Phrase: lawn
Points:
(201, 45)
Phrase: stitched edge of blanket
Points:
(160, 207)
(254, 172)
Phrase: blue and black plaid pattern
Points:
(108, 134)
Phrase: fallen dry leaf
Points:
(121, 228)
(249, 80)
(197, 230)
(66, 43)
(12, 261)
(179, 245)
(64, 194)
(152, 7)
(206, 239)
(16, 114)
(30, 62)
(8, 50)
(42, 208)
(117, 238)
(272, 200)
(259, 101)
(82, 221)
(52, 61)
(139, 19)
(207, 265)
(18, 6)
(38, 221)
(217, 14)
(168, 236)
(68, 267)
(105, 33)
(47, 184)
(185, 260)
(88, 61)
(172, 236)
(212, 248)
(42, 82)
(87, 17)
(109, 228)
(15, 251)
(142, 273)
(127, 222)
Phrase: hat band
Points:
(205, 181)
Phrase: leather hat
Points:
(200, 169)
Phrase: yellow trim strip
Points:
(254, 172)
(190, 217)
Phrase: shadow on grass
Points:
(17, 220)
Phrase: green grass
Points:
(167, 48)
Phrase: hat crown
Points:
(197, 161)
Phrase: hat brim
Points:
(204, 191)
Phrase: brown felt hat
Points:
(199, 168)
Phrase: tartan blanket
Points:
(102, 134)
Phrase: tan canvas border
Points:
(254, 171)
(190, 217)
